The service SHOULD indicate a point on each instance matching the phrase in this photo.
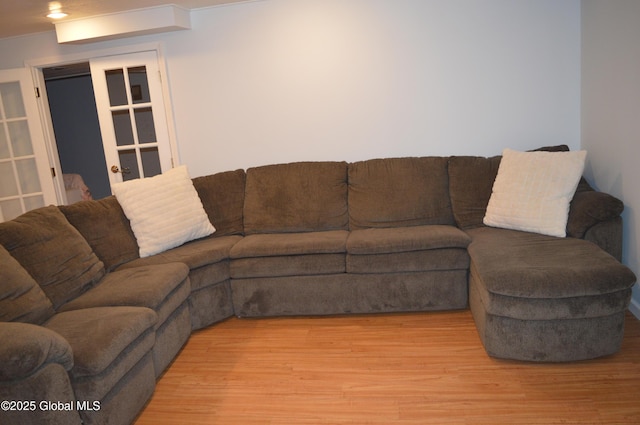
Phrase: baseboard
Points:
(634, 308)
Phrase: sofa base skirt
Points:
(49, 384)
(553, 340)
(334, 294)
(170, 337)
(210, 304)
(127, 399)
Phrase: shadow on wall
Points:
(630, 229)
(629, 245)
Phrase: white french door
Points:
(131, 112)
(26, 180)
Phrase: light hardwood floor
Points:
(424, 368)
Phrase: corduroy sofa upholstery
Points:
(87, 327)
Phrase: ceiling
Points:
(19, 17)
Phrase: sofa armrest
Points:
(608, 236)
(589, 208)
(26, 348)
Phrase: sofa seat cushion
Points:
(398, 192)
(289, 254)
(207, 259)
(195, 254)
(106, 342)
(405, 239)
(21, 299)
(528, 265)
(53, 252)
(161, 288)
(412, 261)
(407, 249)
(270, 245)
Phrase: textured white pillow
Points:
(532, 191)
(165, 210)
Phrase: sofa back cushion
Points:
(53, 252)
(105, 227)
(397, 192)
(296, 197)
(470, 183)
(222, 196)
(21, 299)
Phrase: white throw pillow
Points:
(533, 190)
(165, 210)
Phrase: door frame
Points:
(36, 67)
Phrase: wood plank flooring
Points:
(419, 368)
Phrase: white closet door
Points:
(26, 180)
(131, 111)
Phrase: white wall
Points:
(611, 111)
(285, 80)
(313, 79)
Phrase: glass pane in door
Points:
(33, 202)
(20, 138)
(129, 164)
(139, 84)
(28, 175)
(4, 144)
(144, 125)
(116, 87)
(10, 209)
(122, 127)
(12, 100)
(150, 161)
(9, 187)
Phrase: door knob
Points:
(115, 169)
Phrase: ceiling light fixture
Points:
(57, 14)
(55, 11)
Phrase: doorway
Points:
(107, 120)
(72, 105)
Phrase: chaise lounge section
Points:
(87, 320)
(551, 305)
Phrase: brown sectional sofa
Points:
(89, 326)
